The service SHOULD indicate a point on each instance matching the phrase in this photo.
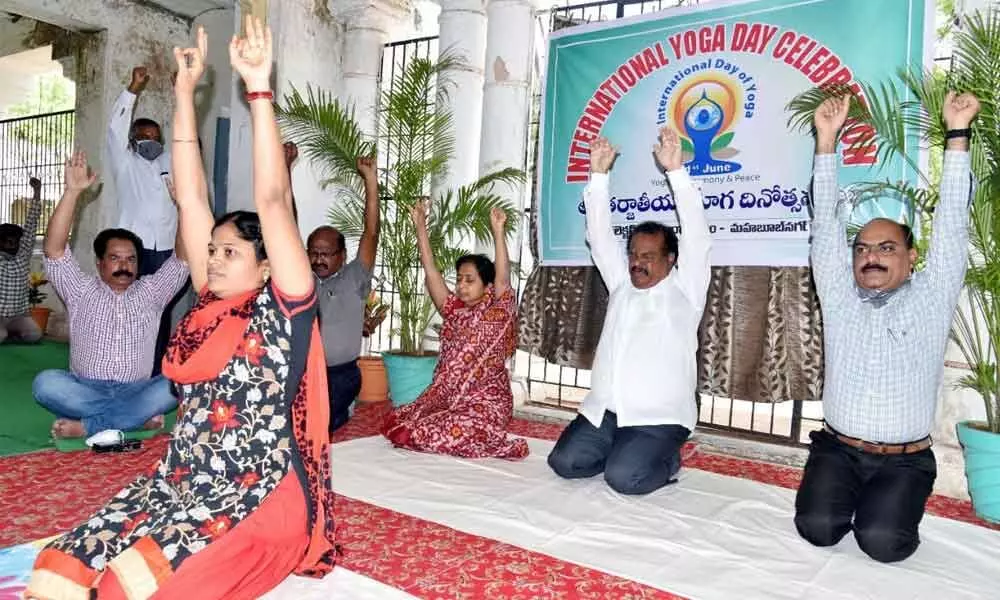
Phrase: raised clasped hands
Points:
(366, 168)
(959, 110)
(498, 219)
(251, 56)
(419, 213)
(831, 115)
(191, 63)
(602, 155)
(668, 150)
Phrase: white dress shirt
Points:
(645, 370)
(144, 204)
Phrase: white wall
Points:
(115, 37)
(422, 23)
(307, 51)
(214, 97)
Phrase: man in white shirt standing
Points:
(641, 407)
(141, 169)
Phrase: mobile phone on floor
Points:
(125, 446)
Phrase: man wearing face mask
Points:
(342, 288)
(871, 468)
(141, 167)
(113, 320)
(641, 406)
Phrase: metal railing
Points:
(395, 57)
(35, 146)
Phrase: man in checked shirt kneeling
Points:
(871, 468)
(113, 323)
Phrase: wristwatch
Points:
(958, 133)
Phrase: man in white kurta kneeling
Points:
(641, 407)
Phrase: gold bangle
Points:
(177, 141)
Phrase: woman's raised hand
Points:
(419, 213)
(251, 56)
(191, 63)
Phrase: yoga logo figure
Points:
(705, 110)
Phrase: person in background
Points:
(468, 406)
(16, 245)
(291, 152)
(141, 169)
(113, 319)
(641, 408)
(885, 329)
(342, 289)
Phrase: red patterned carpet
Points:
(47, 492)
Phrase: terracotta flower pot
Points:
(40, 315)
(374, 383)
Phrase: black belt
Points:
(351, 364)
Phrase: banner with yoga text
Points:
(721, 74)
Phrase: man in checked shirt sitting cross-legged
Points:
(871, 468)
(113, 322)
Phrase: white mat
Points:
(341, 583)
(709, 536)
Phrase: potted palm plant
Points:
(414, 125)
(36, 296)
(976, 329)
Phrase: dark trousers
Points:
(344, 382)
(150, 263)
(634, 460)
(880, 497)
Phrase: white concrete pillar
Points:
(307, 52)
(462, 32)
(366, 31)
(507, 96)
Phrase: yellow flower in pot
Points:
(36, 296)
(374, 382)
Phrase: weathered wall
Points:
(214, 95)
(118, 36)
(16, 36)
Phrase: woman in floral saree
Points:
(242, 497)
(466, 409)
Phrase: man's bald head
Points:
(326, 249)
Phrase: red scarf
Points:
(199, 350)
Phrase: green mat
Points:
(24, 425)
